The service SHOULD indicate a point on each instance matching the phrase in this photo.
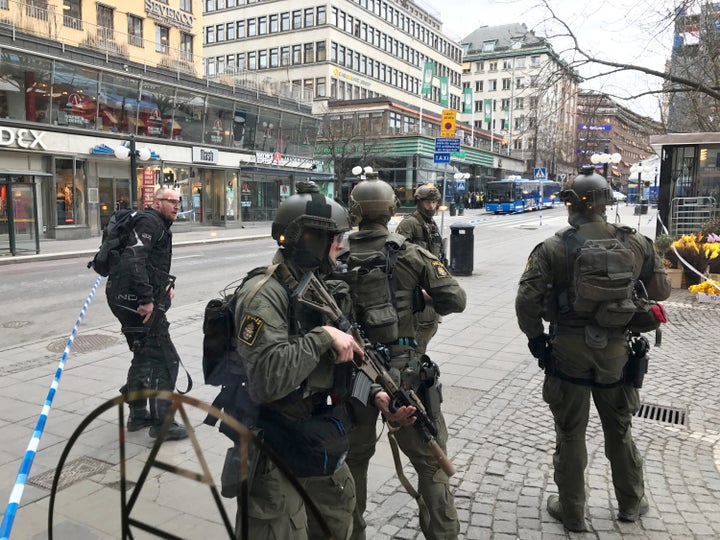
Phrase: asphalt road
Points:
(42, 299)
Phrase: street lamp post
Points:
(605, 158)
(639, 169)
(133, 154)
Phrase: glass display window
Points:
(70, 192)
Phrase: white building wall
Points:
(348, 26)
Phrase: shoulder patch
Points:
(440, 270)
(249, 329)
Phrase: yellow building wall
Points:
(53, 22)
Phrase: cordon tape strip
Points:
(24, 472)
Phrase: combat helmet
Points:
(307, 210)
(588, 191)
(427, 192)
(373, 199)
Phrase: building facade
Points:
(344, 50)
(524, 93)
(72, 110)
(604, 126)
(695, 56)
(364, 63)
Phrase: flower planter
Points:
(676, 277)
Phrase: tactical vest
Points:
(378, 305)
(600, 280)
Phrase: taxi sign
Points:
(447, 124)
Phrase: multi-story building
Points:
(604, 126)
(364, 61)
(82, 84)
(523, 92)
(344, 50)
(694, 57)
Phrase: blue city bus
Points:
(550, 190)
(514, 194)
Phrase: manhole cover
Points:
(74, 471)
(660, 413)
(83, 343)
(15, 324)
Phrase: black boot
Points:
(555, 510)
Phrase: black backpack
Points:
(220, 357)
(115, 238)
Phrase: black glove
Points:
(540, 348)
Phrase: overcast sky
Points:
(630, 31)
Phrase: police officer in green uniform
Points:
(420, 228)
(298, 371)
(372, 203)
(585, 359)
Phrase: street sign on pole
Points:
(447, 124)
(540, 173)
(443, 157)
(447, 144)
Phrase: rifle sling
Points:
(422, 507)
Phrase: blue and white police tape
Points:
(24, 472)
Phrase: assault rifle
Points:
(372, 368)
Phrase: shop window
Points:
(70, 192)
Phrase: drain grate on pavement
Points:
(74, 471)
(660, 413)
(84, 343)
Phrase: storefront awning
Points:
(4, 173)
(286, 172)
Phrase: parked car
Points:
(619, 196)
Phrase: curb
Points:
(5, 260)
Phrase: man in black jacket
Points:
(139, 292)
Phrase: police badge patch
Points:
(440, 270)
(249, 329)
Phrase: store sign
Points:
(148, 190)
(161, 12)
(205, 155)
(23, 138)
(276, 158)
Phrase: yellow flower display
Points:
(708, 287)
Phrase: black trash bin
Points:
(461, 210)
(462, 245)
(452, 209)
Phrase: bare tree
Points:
(349, 140)
(691, 80)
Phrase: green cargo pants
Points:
(570, 406)
(276, 510)
(433, 483)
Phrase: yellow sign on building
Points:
(447, 124)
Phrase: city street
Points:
(501, 433)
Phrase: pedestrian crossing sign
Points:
(540, 173)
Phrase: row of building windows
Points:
(309, 53)
(55, 92)
(105, 31)
(508, 64)
(381, 40)
(384, 10)
(265, 24)
(290, 55)
(307, 18)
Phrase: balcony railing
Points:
(260, 84)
